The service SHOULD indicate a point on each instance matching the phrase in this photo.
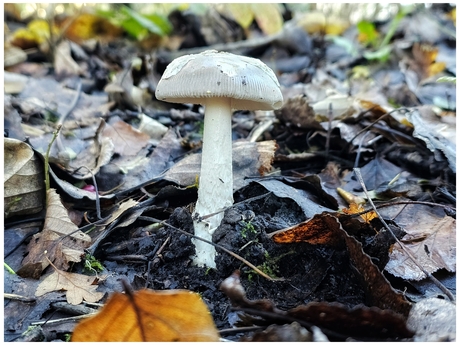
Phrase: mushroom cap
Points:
(247, 81)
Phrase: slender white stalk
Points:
(215, 190)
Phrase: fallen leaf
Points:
(430, 238)
(59, 242)
(268, 17)
(326, 229)
(24, 190)
(355, 208)
(79, 287)
(249, 159)
(14, 82)
(436, 133)
(313, 231)
(126, 139)
(64, 64)
(240, 12)
(433, 320)
(425, 56)
(358, 321)
(147, 315)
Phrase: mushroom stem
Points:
(215, 190)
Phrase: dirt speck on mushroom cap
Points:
(249, 82)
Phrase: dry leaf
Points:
(79, 287)
(240, 12)
(430, 239)
(64, 64)
(268, 17)
(249, 159)
(326, 229)
(60, 241)
(355, 208)
(146, 315)
(127, 140)
(425, 56)
(24, 190)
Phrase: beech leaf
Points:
(147, 315)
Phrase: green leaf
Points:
(162, 22)
(133, 28)
(143, 21)
(367, 30)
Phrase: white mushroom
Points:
(221, 82)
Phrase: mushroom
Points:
(221, 82)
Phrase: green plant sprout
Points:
(92, 265)
(248, 228)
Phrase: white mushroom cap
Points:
(247, 81)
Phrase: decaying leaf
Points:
(355, 208)
(326, 229)
(60, 242)
(439, 326)
(359, 321)
(78, 286)
(430, 238)
(147, 315)
(126, 139)
(94, 156)
(23, 179)
(435, 132)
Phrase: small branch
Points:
(47, 157)
(409, 254)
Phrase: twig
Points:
(429, 275)
(369, 127)
(67, 113)
(47, 157)
(409, 202)
(66, 319)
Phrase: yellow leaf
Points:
(147, 315)
(241, 13)
(268, 17)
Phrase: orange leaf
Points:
(147, 315)
(355, 208)
(317, 230)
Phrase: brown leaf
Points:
(430, 238)
(146, 315)
(24, 189)
(357, 321)
(326, 229)
(60, 241)
(64, 64)
(127, 140)
(79, 287)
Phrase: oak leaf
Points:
(60, 242)
(79, 287)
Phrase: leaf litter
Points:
(130, 188)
